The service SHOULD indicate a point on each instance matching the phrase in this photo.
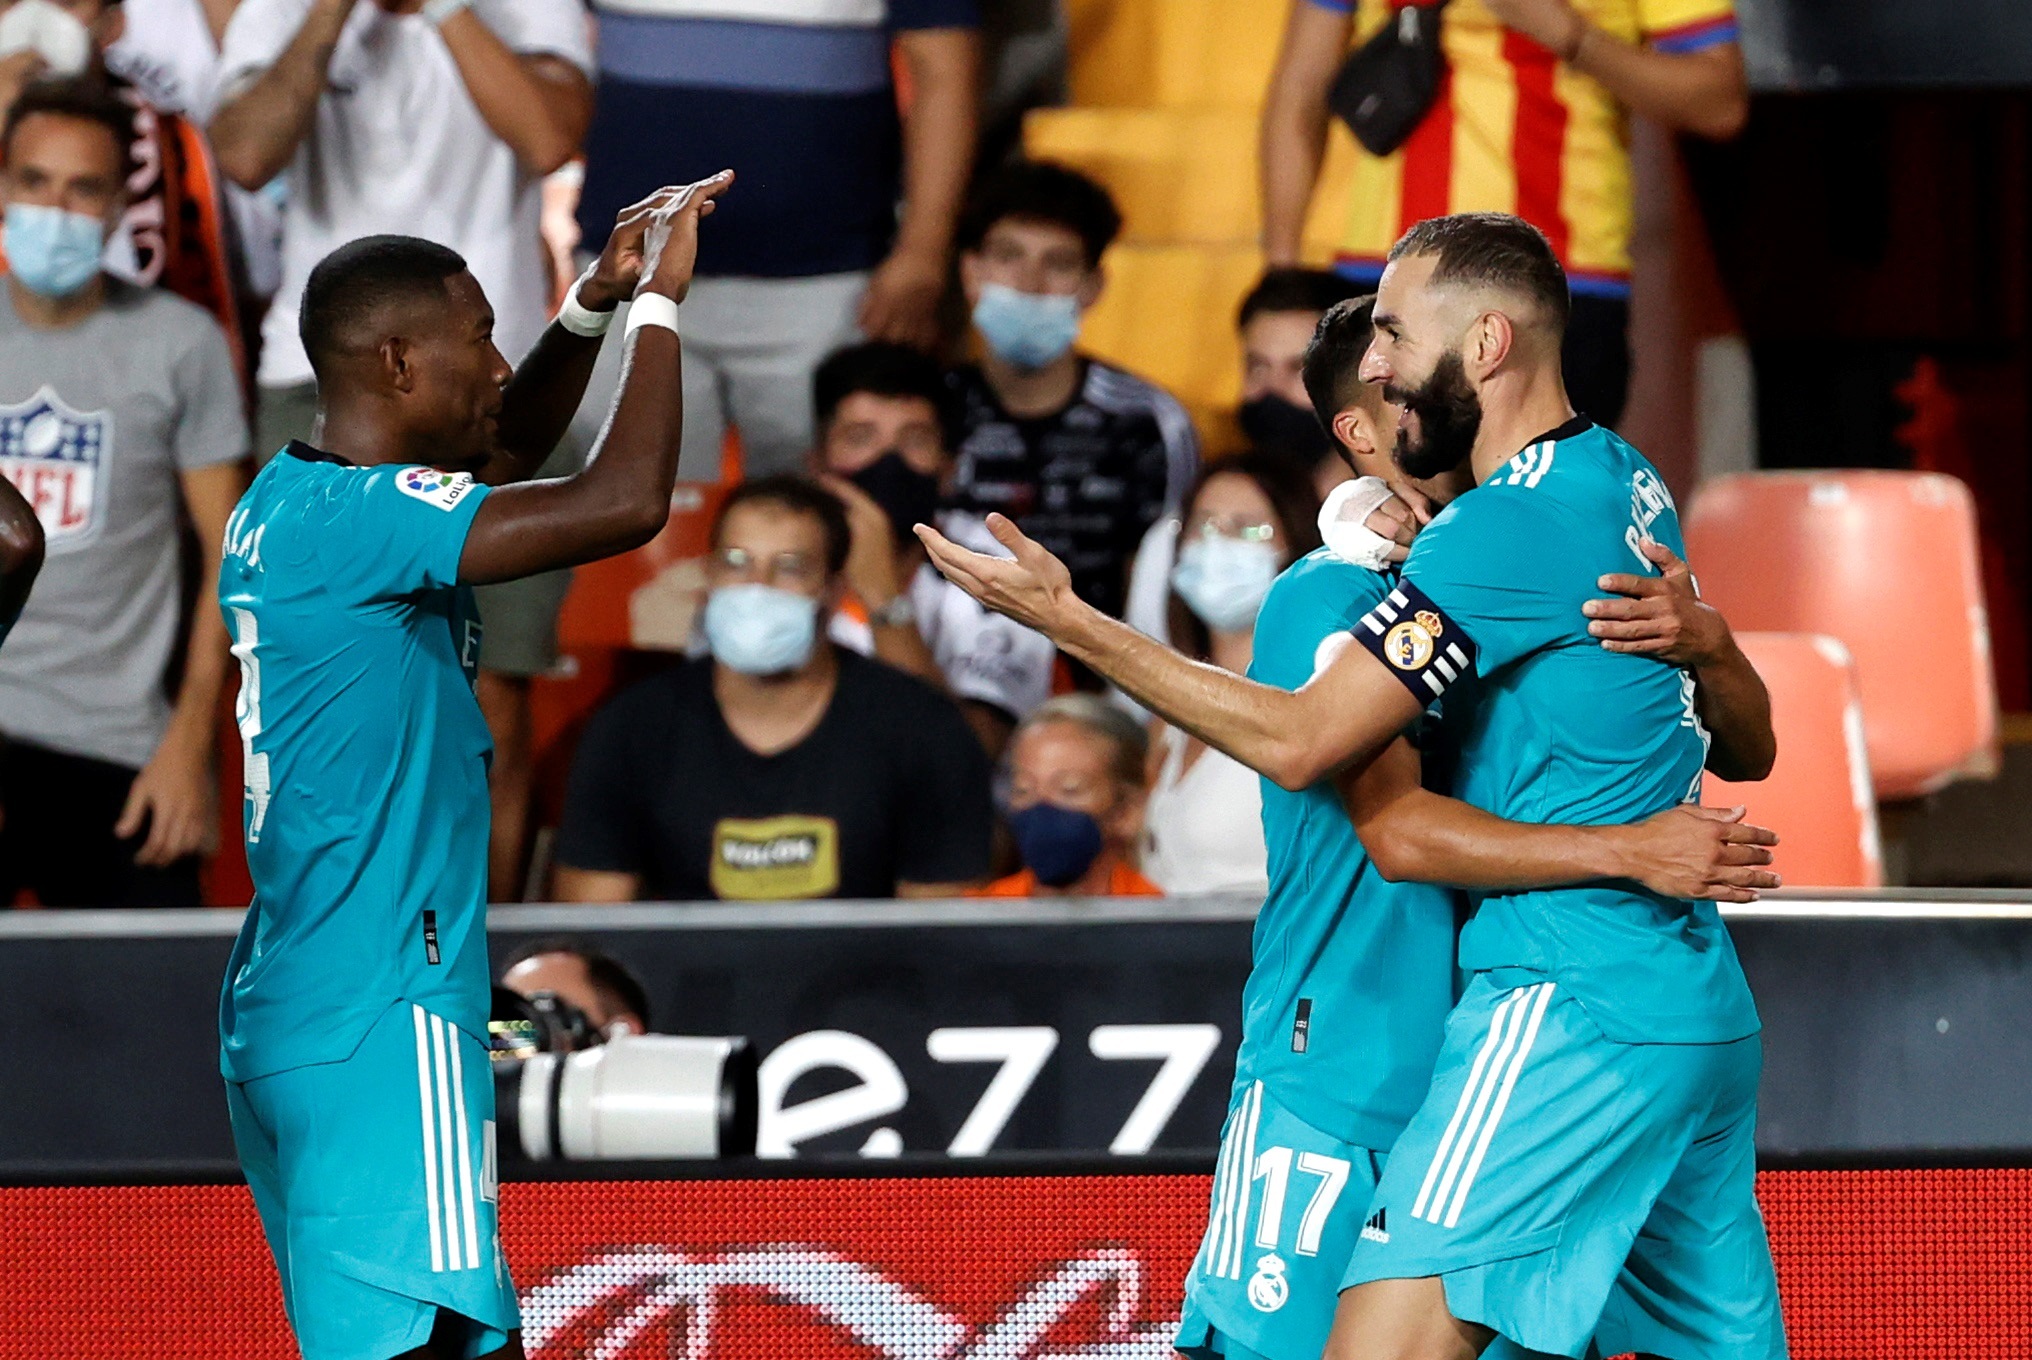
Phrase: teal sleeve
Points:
(393, 531)
(1318, 598)
(1487, 567)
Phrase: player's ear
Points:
(1489, 342)
(396, 364)
(1354, 431)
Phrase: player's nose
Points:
(1374, 368)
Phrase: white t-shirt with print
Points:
(399, 146)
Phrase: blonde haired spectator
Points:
(1076, 801)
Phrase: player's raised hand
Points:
(1034, 588)
(1660, 616)
(670, 245)
(617, 273)
(1701, 852)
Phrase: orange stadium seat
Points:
(1170, 53)
(1818, 796)
(1886, 562)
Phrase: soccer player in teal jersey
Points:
(1343, 1011)
(1581, 1167)
(353, 1018)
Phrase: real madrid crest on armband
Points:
(1409, 645)
(1410, 635)
(1268, 1289)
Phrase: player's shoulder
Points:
(1321, 580)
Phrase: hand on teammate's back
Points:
(1700, 852)
(1660, 616)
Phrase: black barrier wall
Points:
(1897, 1026)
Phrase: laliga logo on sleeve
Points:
(428, 484)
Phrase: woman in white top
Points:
(1246, 518)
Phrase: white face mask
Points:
(49, 30)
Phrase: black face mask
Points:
(1449, 417)
(1276, 425)
(906, 495)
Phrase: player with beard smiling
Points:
(1582, 1165)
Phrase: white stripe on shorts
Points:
(453, 1258)
(1224, 1193)
(470, 1223)
(1460, 1110)
(1237, 1246)
(423, 1093)
(1460, 1196)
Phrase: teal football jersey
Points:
(1563, 731)
(366, 813)
(1352, 975)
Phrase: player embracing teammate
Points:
(353, 1021)
(1577, 1168)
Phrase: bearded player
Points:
(353, 1019)
(1580, 1167)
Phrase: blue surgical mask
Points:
(1058, 844)
(1028, 330)
(1224, 580)
(760, 630)
(54, 253)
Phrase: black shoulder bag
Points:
(1388, 83)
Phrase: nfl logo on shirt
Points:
(53, 454)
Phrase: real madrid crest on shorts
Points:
(1268, 1289)
(1411, 635)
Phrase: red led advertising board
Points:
(1874, 1265)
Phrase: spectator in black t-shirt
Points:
(782, 766)
(1082, 455)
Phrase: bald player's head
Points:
(400, 334)
(1467, 301)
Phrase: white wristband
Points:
(652, 309)
(437, 11)
(1343, 523)
(579, 319)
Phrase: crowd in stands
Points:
(890, 331)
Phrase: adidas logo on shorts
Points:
(1375, 1230)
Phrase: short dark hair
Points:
(1042, 191)
(1294, 499)
(611, 978)
(884, 369)
(86, 98)
(1496, 249)
(800, 496)
(1332, 368)
(1293, 288)
(355, 281)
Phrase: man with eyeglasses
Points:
(781, 765)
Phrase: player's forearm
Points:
(1292, 134)
(1736, 710)
(21, 551)
(1704, 93)
(538, 106)
(256, 132)
(938, 136)
(541, 399)
(1264, 728)
(622, 499)
(1422, 837)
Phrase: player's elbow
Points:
(1744, 764)
(1395, 853)
(1293, 764)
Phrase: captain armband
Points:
(1419, 644)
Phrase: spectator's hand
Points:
(638, 245)
(1550, 23)
(1692, 851)
(1663, 615)
(16, 70)
(901, 303)
(176, 797)
(871, 553)
(1035, 589)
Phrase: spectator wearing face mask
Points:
(1076, 770)
(1083, 456)
(1276, 323)
(120, 418)
(173, 230)
(1248, 517)
(780, 766)
(884, 420)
